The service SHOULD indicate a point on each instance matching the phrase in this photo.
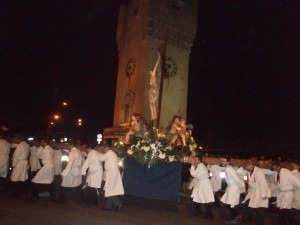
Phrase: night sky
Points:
(244, 69)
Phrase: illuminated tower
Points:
(144, 28)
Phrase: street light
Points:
(56, 117)
(65, 104)
(79, 122)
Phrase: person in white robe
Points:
(45, 176)
(57, 161)
(34, 162)
(257, 198)
(232, 193)
(93, 176)
(202, 192)
(113, 185)
(215, 180)
(71, 175)
(20, 166)
(4, 160)
(296, 193)
(287, 183)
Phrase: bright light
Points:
(65, 158)
(79, 124)
(79, 120)
(121, 163)
(52, 123)
(64, 103)
(99, 138)
(30, 139)
(210, 174)
(61, 140)
(245, 178)
(200, 147)
(56, 117)
(65, 139)
(222, 174)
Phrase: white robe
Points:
(94, 177)
(287, 183)
(202, 191)
(57, 162)
(234, 186)
(4, 157)
(46, 174)
(271, 177)
(296, 194)
(72, 173)
(20, 162)
(113, 184)
(33, 159)
(259, 190)
(215, 180)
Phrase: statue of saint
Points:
(154, 90)
(137, 127)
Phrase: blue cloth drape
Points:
(161, 181)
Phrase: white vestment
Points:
(287, 183)
(215, 180)
(296, 194)
(113, 184)
(34, 160)
(202, 191)
(72, 173)
(234, 187)
(46, 174)
(94, 176)
(57, 161)
(4, 157)
(20, 162)
(259, 190)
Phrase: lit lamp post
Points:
(64, 104)
(79, 121)
(56, 117)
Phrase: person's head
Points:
(225, 161)
(250, 166)
(198, 159)
(295, 165)
(176, 119)
(44, 142)
(276, 166)
(106, 147)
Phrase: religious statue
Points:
(154, 90)
(177, 131)
(137, 127)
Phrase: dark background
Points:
(243, 82)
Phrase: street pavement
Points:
(135, 212)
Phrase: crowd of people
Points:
(90, 169)
(38, 164)
(261, 188)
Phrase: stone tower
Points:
(144, 28)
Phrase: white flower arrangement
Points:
(150, 152)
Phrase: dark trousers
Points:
(91, 196)
(285, 216)
(18, 188)
(64, 191)
(253, 215)
(198, 211)
(36, 188)
(113, 202)
(3, 183)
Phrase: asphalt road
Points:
(136, 212)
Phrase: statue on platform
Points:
(154, 90)
(177, 133)
(137, 127)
